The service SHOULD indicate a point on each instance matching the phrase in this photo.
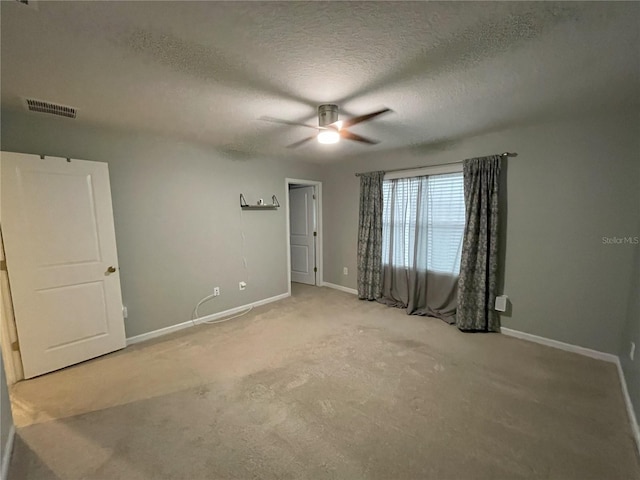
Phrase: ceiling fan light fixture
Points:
(328, 136)
(329, 128)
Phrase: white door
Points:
(60, 246)
(302, 229)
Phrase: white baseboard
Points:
(607, 357)
(6, 457)
(627, 400)
(587, 352)
(340, 287)
(214, 316)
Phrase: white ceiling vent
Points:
(52, 108)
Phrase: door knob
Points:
(111, 269)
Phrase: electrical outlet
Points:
(242, 285)
(345, 271)
(501, 303)
(125, 312)
(216, 291)
(632, 352)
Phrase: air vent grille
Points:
(52, 108)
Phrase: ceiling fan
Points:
(330, 129)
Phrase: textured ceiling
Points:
(205, 71)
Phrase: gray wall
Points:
(6, 421)
(177, 216)
(572, 183)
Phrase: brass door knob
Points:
(111, 269)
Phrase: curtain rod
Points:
(505, 154)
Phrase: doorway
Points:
(304, 232)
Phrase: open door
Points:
(302, 229)
(60, 247)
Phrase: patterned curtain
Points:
(479, 261)
(370, 236)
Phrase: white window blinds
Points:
(423, 222)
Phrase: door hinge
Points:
(315, 234)
(314, 196)
(3, 265)
(315, 269)
(15, 346)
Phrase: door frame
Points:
(8, 332)
(318, 242)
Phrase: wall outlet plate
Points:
(125, 312)
(501, 303)
(632, 351)
(242, 285)
(345, 271)
(216, 291)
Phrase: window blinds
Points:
(423, 222)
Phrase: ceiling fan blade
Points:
(352, 136)
(300, 142)
(286, 122)
(364, 118)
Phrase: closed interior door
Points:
(302, 229)
(60, 247)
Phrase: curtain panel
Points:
(370, 236)
(423, 224)
(479, 262)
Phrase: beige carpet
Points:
(322, 385)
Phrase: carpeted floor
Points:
(322, 385)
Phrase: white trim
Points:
(214, 316)
(422, 171)
(627, 400)
(6, 457)
(587, 352)
(319, 241)
(340, 287)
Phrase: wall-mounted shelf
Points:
(272, 206)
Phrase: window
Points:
(423, 222)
